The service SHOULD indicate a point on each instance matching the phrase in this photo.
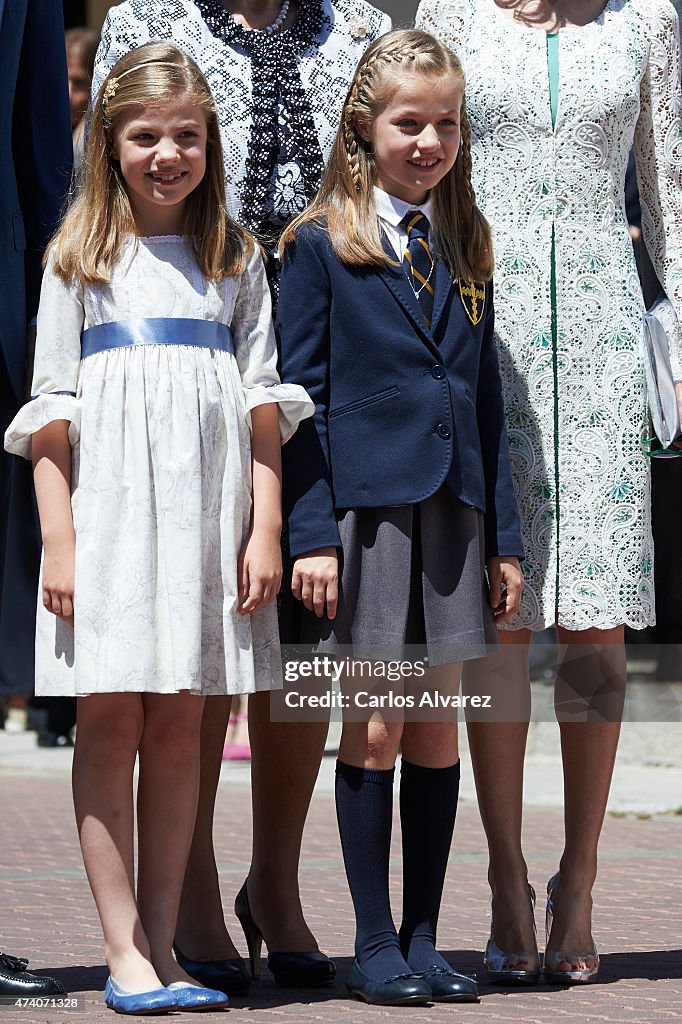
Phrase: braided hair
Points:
(345, 199)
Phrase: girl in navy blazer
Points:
(399, 493)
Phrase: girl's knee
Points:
(374, 744)
(109, 726)
(431, 744)
(172, 727)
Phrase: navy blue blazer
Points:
(400, 409)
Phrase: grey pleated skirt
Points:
(412, 583)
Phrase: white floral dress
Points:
(161, 477)
(575, 395)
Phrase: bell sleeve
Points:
(256, 352)
(57, 362)
(658, 156)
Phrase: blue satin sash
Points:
(156, 331)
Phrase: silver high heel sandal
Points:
(496, 961)
(553, 959)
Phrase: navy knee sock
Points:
(364, 807)
(428, 805)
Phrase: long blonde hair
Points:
(460, 232)
(100, 216)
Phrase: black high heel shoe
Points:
(229, 976)
(290, 970)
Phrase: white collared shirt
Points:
(391, 211)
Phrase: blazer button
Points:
(438, 372)
(443, 430)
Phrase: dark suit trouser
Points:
(19, 560)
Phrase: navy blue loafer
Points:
(402, 990)
(449, 986)
(229, 976)
(158, 1000)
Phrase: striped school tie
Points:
(418, 261)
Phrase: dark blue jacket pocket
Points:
(362, 403)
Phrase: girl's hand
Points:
(259, 570)
(315, 581)
(506, 585)
(59, 563)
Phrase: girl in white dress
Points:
(155, 433)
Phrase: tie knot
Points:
(416, 224)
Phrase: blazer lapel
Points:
(442, 290)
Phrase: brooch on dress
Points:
(358, 27)
(473, 300)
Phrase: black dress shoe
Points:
(302, 970)
(54, 739)
(229, 976)
(290, 970)
(403, 990)
(449, 986)
(15, 980)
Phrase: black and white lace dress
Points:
(279, 96)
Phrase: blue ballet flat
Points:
(158, 1000)
(196, 997)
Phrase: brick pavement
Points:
(48, 914)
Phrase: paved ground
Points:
(47, 911)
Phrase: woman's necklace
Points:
(276, 25)
(279, 20)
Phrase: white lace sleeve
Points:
(443, 19)
(386, 25)
(658, 153)
(256, 352)
(57, 362)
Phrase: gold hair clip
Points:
(109, 93)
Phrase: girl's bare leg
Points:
(109, 731)
(497, 753)
(200, 932)
(285, 760)
(372, 744)
(167, 795)
(592, 673)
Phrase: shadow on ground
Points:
(653, 965)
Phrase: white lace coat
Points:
(161, 473)
(575, 415)
(326, 74)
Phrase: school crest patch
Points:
(472, 294)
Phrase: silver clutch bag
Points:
(661, 332)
